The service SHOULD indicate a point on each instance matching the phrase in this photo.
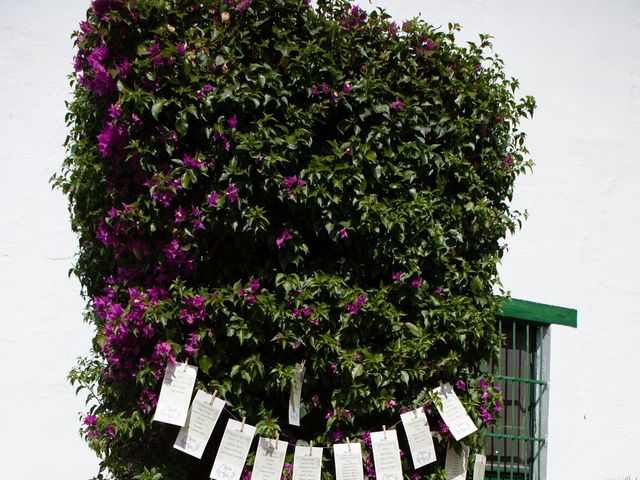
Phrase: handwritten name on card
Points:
(348, 461)
(175, 394)
(386, 455)
(479, 466)
(269, 459)
(453, 413)
(296, 395)
(307, 463)
(233, 451)
(419, 436)
(201, 421)
(456, 463)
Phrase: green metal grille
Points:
(516, 446)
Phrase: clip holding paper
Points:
(213, 397)
(277, 440)
(311, 448)
(415, 411)
(384, 429)
(242, 424)
(349, 444)
(443, 390)
(186, 364)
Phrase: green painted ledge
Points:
(538, 313)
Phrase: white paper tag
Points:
(202, 418)
(269, 460)
(456, 464)
(348, 461)
(175, 395)
(233, 451)
(296, 395)
(420, 441)
(453, 413)
(307, 465)
(479, 466)
(386, 455)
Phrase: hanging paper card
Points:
(296, 395)
(307, 463)
(233, 451)
(456, 463)
(419, 436)
(202, 418)
(386, 455)
(175, 395)
(348, 461)
(269, 459)
(479, 466)
(453, 413)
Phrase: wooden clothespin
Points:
(310, 448)
(242, 424)
(186, 364)
(277, 440)
(213, 397)
(384, 429)
(415, 411)
(348, 444)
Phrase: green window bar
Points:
(517, 444)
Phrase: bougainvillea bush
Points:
(257, 183)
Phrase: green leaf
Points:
(156, 108)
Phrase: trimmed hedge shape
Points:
(254, 183)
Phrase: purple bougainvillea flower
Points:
(333, 367)
(343, 233)
(325, 88)
(232, 122)
(212, 199)
(86, 27)
(124, 68)
(337, 436)
(114, 111)
(181, 48)
(232, 193)
(397, 276)
(416, 283)
(396, 105)
(90, 420)
(112, 139)
(483, 383)
(461, 385)
(285, 236)
(346, 88)
(110, 431)
(180, 215)
(191, 162)
(486, 415)
(429, 45)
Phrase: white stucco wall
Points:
(581, 59)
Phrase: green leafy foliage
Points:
(256, 183)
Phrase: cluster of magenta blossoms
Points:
(255, 183)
